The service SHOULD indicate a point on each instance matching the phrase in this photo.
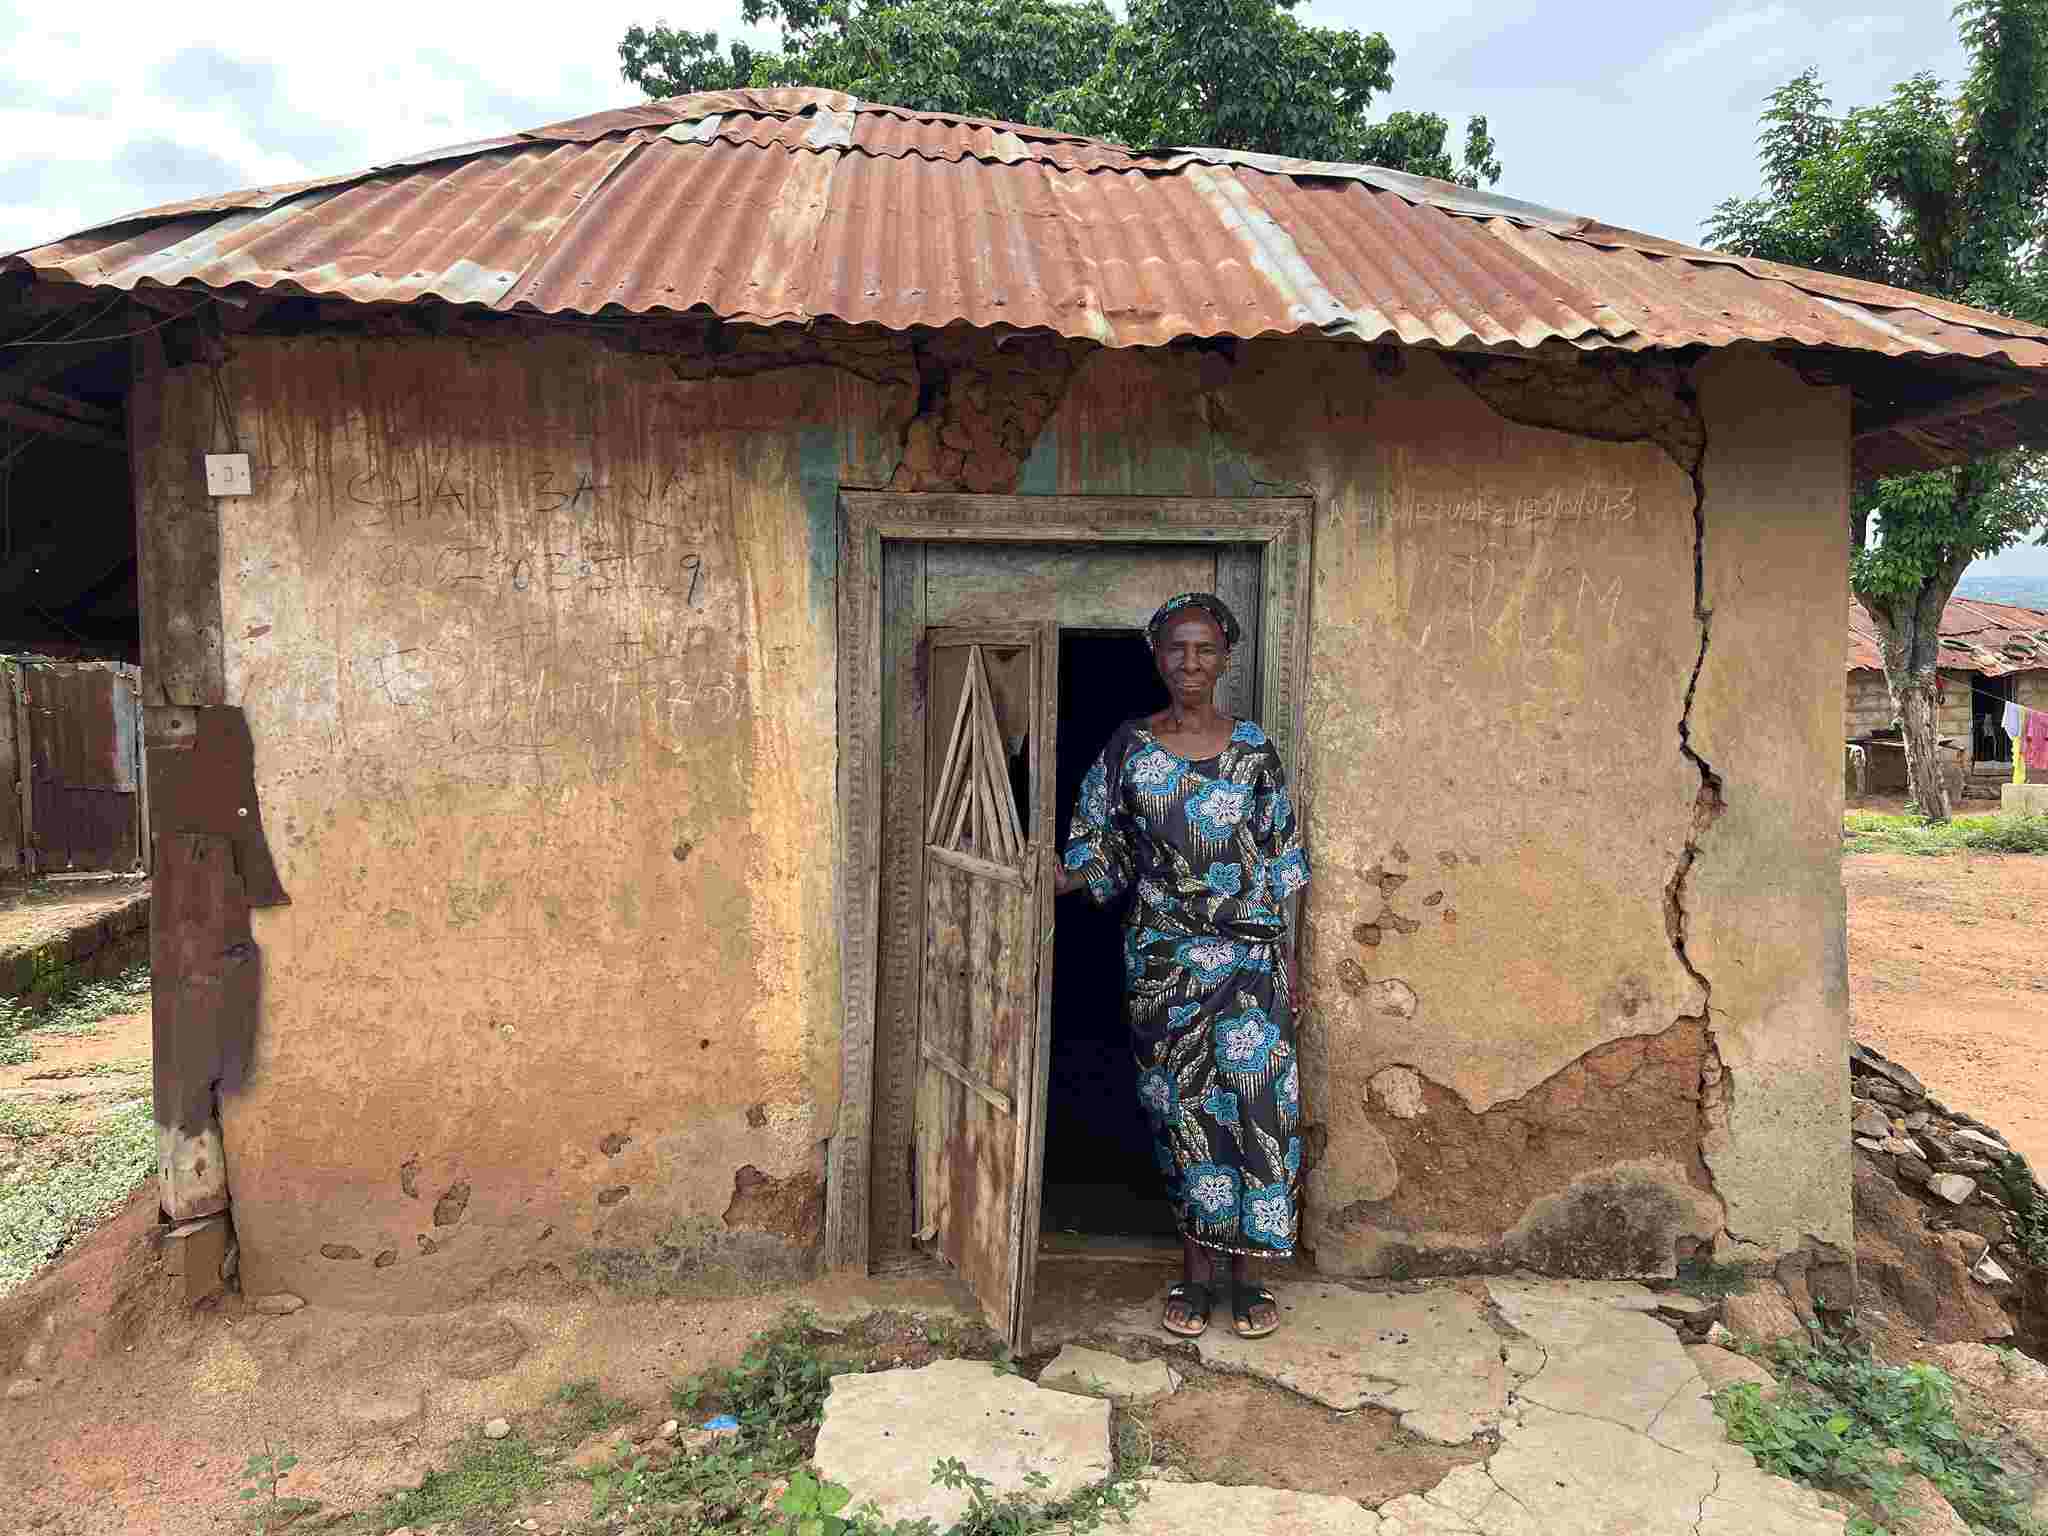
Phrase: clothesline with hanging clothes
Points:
(2017, 721)
(2028, 730)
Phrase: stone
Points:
(668, 1429)
(1399, 1090)
(2012, 1385)
(1898, 1146)
(1975, 1246)
(1882, 1092)
(1870, 1143)
(1605, 1354)
(1902, 1265)
(1869, 1061)
(1678, 1304)
(1969, 1165)
(17, 1390)
(883, 1431)
(1955, 1188)
(1720, 1368)
(278, 1304)
(1763, 1315)
(1872, 1122)
(1560, 1474)
(497, 1429)
(1918, 1120)
(1981, 1142)
(1429, 1356)
(1990, 1272)
(1174, 1509)
(1914, 1169)
(1094, 1373)
(1922, 1511)
(1719, 1336)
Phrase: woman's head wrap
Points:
(1208, 602)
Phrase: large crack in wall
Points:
(1620, 1197)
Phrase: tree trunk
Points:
(1910, 628)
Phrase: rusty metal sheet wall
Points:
(81, 761)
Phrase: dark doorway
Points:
(1988, 698)
(1100, 1178)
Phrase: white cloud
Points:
(110, 110)
(1722, 33)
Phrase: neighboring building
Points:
(1991, 654)
(626, 498)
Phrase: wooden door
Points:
(985, 1000)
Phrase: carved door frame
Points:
(1279, 527)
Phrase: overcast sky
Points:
(1640, 114)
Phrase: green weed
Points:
(23, 1120)
(262, 1474)
(94, 1173)
(1710, 1281)
(73, 1008)
(2029, 1207)
(1839, 1411)
(1877, 832)
(586, 1411)
(779, 1386)
(487, 1476)
(1020, 1514)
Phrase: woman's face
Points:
(1191, 656)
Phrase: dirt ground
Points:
(1948, 975)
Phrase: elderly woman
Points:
(1190, 808)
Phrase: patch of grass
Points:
(1710, 1281)
(584, 1409)
(23, 1120)
(1839, 1411)
(73, 1009)
(2029, 1207)
(1878, 832)
(757, 1482)
(93, 1174)
(487, 1476)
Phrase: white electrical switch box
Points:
(227, 474)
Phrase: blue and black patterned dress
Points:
(1213, 851)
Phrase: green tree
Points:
(1227, 74)
(1943, 192)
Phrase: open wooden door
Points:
(985, 1007)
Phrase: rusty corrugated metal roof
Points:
(770, 206)
(1976, 636)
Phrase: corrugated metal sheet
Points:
(770, 206)
(1988, 638)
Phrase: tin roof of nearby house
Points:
(770, 206)
(1987, 638)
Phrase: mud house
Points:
(1991, 654)
(542, 750)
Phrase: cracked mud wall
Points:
(1503, 634)
(535, 641)
(1766, 921)
(566, 942)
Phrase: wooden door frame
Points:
(1280, 526)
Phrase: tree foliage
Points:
(1229, 74)
(1947, 193)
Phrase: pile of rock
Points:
(1935, 1232)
